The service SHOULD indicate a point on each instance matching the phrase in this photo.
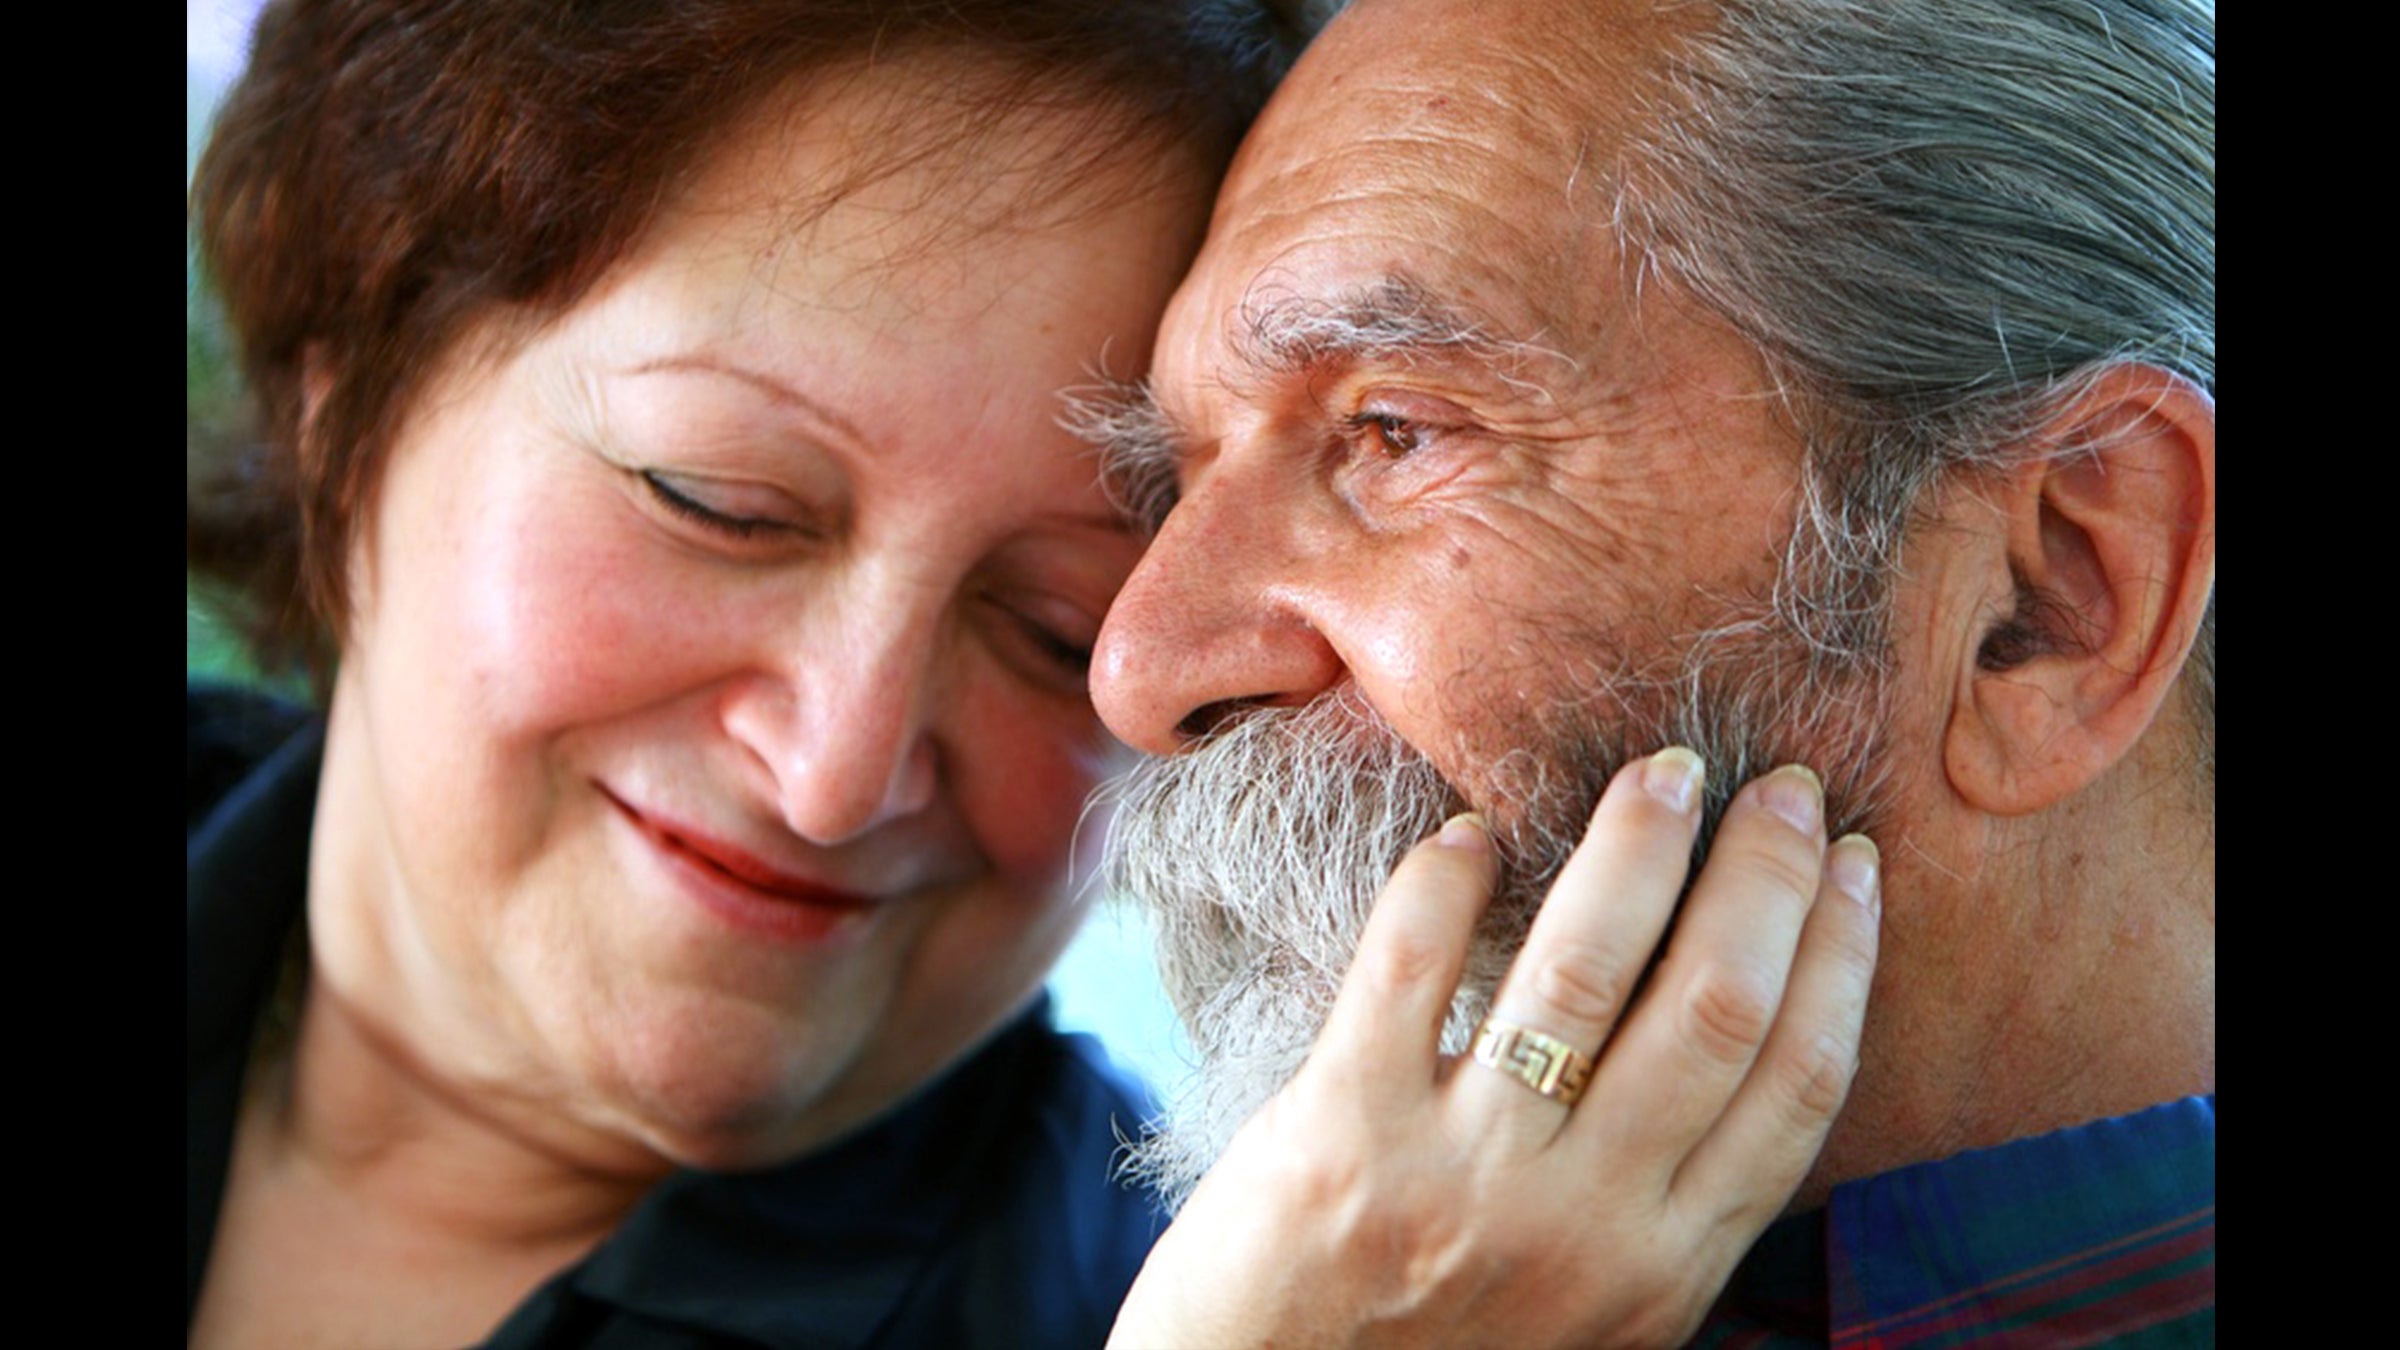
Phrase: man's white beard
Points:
(1258, 852)
(1257, 857)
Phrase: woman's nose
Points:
(843, 727)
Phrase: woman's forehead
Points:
(927, 151)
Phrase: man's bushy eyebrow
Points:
(1392, 318)
(1138, 443)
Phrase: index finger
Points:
(1387, 1018)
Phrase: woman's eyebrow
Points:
(708, 363)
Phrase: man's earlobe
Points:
(2111, 552)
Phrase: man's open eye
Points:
(1391, 435)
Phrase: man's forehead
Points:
(1463, 150)
(1493, 78)
(1391, 98)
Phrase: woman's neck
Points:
(360, 1107)
(367, 1203)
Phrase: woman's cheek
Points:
(582, 619)
(1033, 762)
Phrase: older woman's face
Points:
(713, 727)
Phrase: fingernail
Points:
(1673, 776)
(1855, 866)
(1465, 831)
(1794, 793)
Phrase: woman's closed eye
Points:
(1049, 638)
(1063, 652)
(744, 511)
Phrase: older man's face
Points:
(1467, 515)
(1430, 439)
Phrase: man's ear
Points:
(2110, 543)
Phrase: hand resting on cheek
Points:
(1393, 1196)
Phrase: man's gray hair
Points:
(1936, 219)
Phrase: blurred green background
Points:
(212, 398)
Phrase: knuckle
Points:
(1817, 1080)
(1320, 1180)
(1312, 1150)
(1584, 982)
(1428, 1251)
(1760, 848)
(1402, 961)
(1726, 1012)
(1785, 873)
(1850, 942)
(1409, 1241)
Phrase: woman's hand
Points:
(1391, 1196)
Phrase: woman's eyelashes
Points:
(1049, 638)
(741, 512)
(1058, 645)
(1067, 655)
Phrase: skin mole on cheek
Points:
(1459, 557)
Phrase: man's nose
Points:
(843, 725)
(1213, 620)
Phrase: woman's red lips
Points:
(736, 865)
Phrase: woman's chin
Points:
(713, 1094)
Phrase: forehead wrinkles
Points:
(1469, 176)
(1377, 262)
(1502, 99)
(1466, 149)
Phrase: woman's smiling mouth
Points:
(743, 889)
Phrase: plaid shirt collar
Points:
(2079, 1237)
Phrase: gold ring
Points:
(1540, 1061)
